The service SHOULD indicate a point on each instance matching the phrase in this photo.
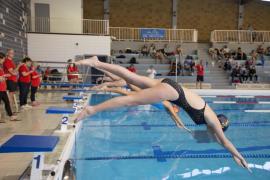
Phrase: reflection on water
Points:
(196, 172)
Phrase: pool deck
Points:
(34, 122)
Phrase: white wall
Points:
(65, 15)
(61, 47)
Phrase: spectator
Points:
(144, 51)
(160, 57)
(267, 51)
(35, 82)
(226, 50)
(72, 72)
(200, 74)
(236, 73)
(240, 55)
(152, 51)
(3, 91)
(132, 68)
(252, 33)
(253, 74)
(151, 72)
(260, 50)
(10, 69)
(173, 69)
(243, 74)
(46, 74)
(24, 82)
(227, 65)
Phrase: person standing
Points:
(151, 72)
(3, 90)
(24, 82)
(200, 74)
(11, 70)
(72, 72)
(35, 82)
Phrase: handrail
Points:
(240, 36)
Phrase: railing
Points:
(171, 35)
(64, 25)
(101, 27)
(240, 36)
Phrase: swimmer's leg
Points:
(129, 77)
(161, 92)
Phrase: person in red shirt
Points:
(10, 69)
(3, 90)
(24, 82)
(72, 69)
(132, 68)
(35, 82)
(200, 74)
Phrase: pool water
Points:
(144, 143)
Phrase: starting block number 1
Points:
(37, 166)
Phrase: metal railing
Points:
(240, 36)
(65, 25)
(171, 35)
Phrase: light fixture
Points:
(266, 0)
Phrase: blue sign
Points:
(152, 33)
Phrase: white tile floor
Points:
(34, 121)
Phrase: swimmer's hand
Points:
(242, 162)
(87, 111)
(183, 127)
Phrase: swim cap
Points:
(223, 121)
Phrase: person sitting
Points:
(260, 50)
(240, 55)
(267, 51)
(243, 74)
(236, 74)
(152, 51)
(253, 74)
(159, 57)
(132, 68)
(144, 51)
(46, 74)
(173, 69)
(227, 65)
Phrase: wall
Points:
(63, 14)
(257, 13)
(207, 15)
(13, 26)
(61, 47)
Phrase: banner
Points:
(152, 33)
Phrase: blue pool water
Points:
(144, 143)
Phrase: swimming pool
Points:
(144, 143)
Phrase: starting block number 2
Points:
(65, 119)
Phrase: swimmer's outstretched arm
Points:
(174, 116)
(215, 127)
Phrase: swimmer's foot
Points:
(87, 111)
(93, 61)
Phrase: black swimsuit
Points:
(197, 115)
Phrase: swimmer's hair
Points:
(26, 59)
(224, 122)
(2, 55)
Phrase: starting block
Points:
(36, 144)
(77, 101)
(65, 112)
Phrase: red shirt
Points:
(73, 69)
(35, 82)
(200, 70)
(132, 69)
(3, 86)
(24, 79)
(47, 73)
(8, 63)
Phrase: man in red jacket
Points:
(200, 74)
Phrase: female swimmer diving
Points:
(157, 90)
